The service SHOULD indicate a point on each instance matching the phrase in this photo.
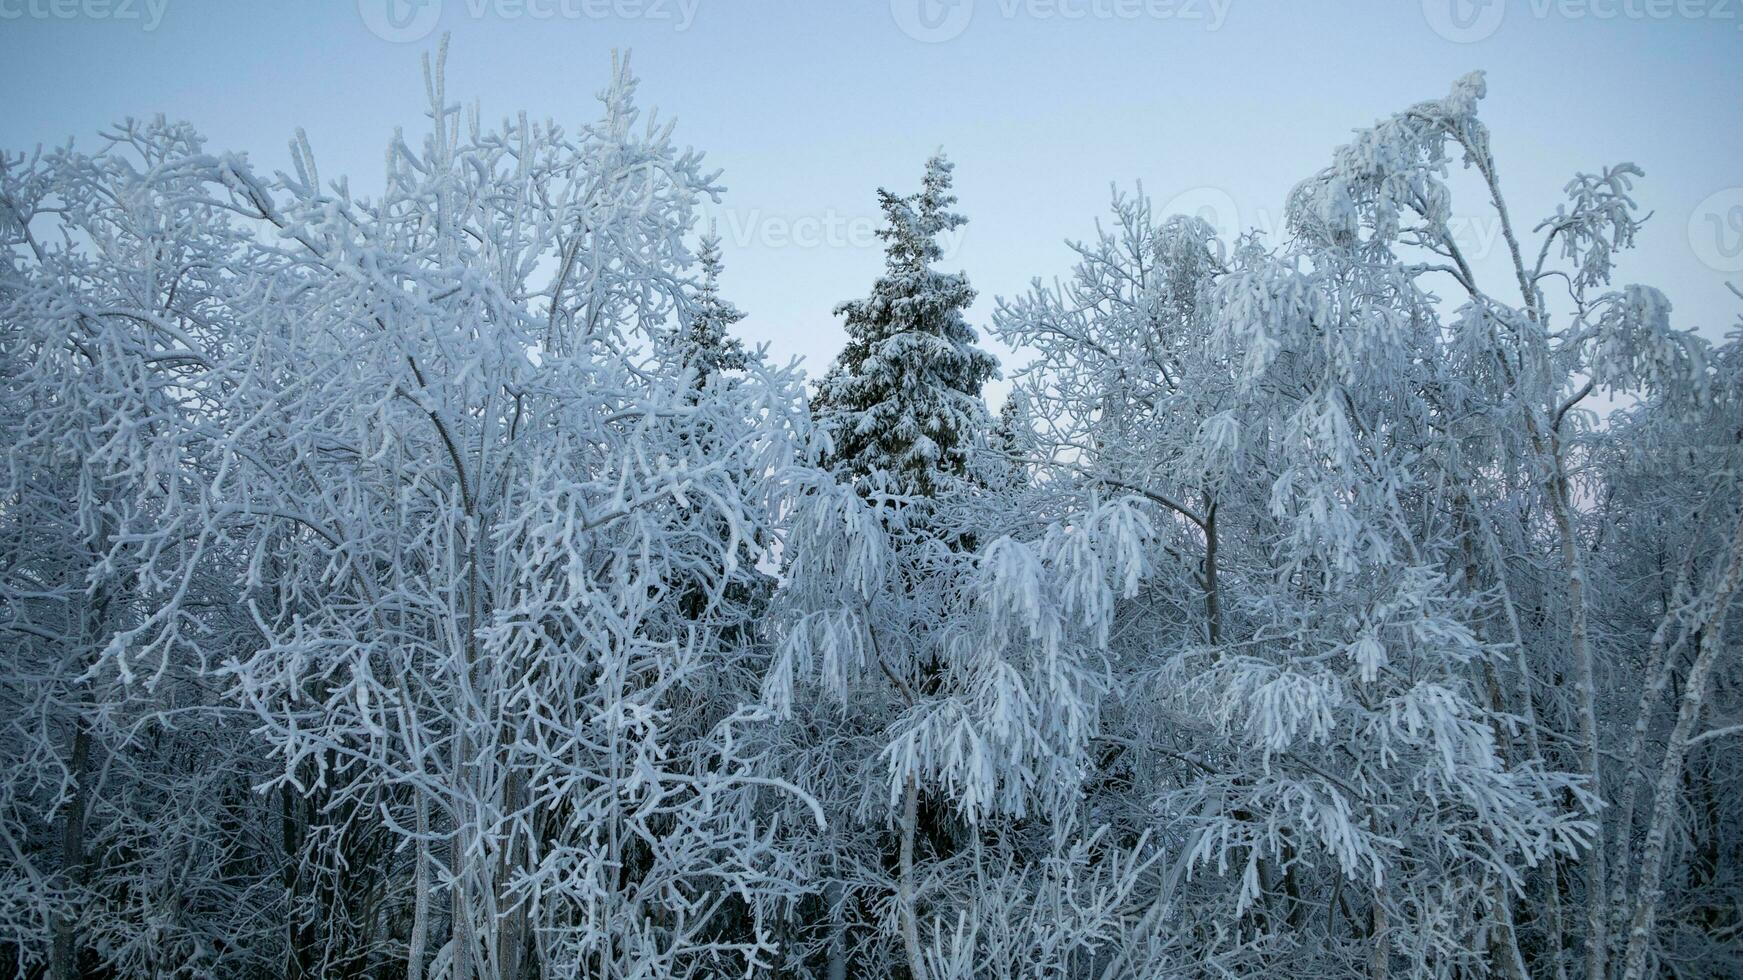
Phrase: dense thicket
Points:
(429, 585)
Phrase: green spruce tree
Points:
(904, 397)
(702, 341)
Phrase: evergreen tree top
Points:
(904, 396)
(702, 341)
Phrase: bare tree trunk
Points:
(465, 942)
(461, 927)
(837, 898)
(415, 948)
(1597, 875)
(1504, 940)
(1380, 959)
(64, 953)
(300, 932)
(905, 886)
(512, 934)
(1212, 598)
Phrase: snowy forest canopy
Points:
(432, 585)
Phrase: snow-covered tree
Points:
(135, 844)
(428, 583)
(703, 342)
(1346, 474)
(903, 398)
(476, 543)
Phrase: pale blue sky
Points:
(809, 106)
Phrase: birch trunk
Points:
(1597, 875)
(905, 887)
(837, 896)
(415, 948)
